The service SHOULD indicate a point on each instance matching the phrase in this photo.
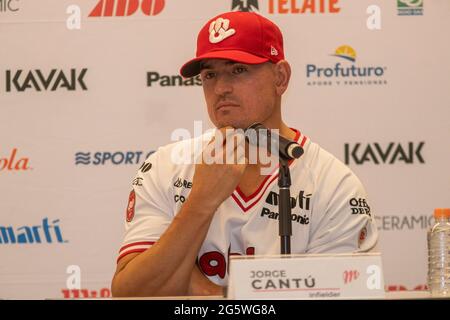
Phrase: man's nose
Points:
(223, 85)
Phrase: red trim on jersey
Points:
(142, 243)
(263, 185)
(303, 141)
(128, 252)
(248, 198)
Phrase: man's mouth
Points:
(226, 105)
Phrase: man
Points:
(184, 221)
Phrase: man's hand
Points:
(214, 182)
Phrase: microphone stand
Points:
(284, 206)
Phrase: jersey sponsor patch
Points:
(131, 205)
(362, 236)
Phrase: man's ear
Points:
(282, 71)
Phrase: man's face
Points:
(237, 94)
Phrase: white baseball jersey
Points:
(330, 212)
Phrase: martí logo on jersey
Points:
(346, 71)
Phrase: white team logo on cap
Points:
(218, 30)
(273, 51)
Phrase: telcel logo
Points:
(115, 158)
(42, 233)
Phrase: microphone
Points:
(259, 135)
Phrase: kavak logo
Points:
(125, 8)
(14, 162)
(9, 5)
(392, 153)
(37, 80)
(155, 78)
(345, 73)
(245, 5)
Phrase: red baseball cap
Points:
(244, 37)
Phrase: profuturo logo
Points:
(345, 72)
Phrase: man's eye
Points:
(239, 69)
(208, 75)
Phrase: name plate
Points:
(311, 276)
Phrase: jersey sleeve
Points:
(148, 212)
(342, 219)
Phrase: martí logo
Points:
(14, 161)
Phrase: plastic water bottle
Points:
(439, 254)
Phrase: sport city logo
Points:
(14, 162)
(9, 6)
(115, 158)
(345, 74)
(404, 221)
(409, 7)
(121, 8)
(42, 233)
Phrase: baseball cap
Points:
(245, 37)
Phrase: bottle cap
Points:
(442, 212)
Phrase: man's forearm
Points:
(200, 285)
(166, 268)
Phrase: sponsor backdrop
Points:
(89, 88)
